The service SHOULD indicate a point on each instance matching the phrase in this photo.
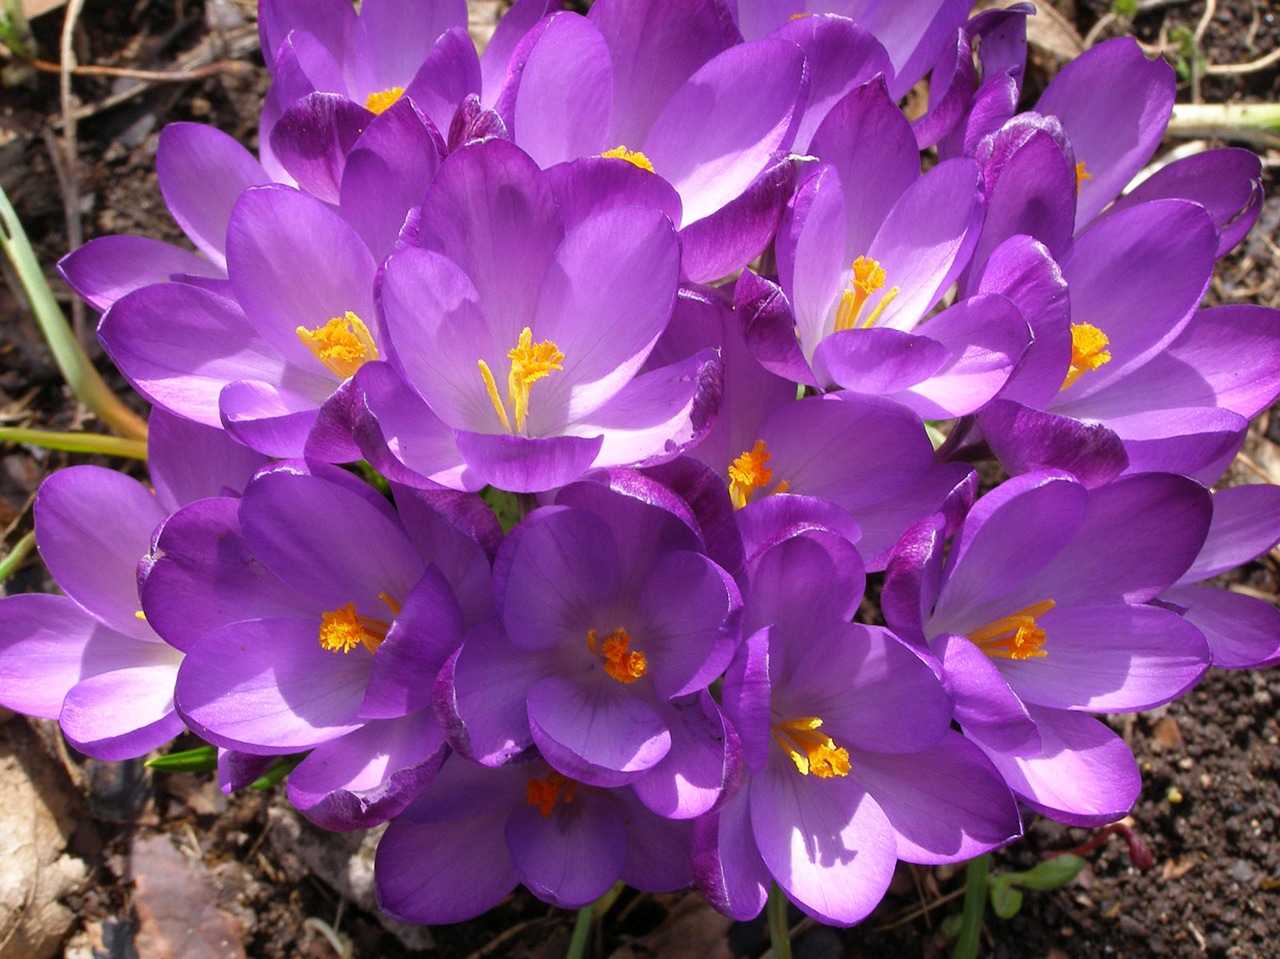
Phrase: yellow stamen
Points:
(140, 615)
(748, 473)
(1016, 636)
(1081, 175)
(634, 157)
(620, 662)
(344, 344)
(382, 99)
(530, 362)
(868, 277)
(811, 751)
(544, 793)
(342, 629)
(1088, 351)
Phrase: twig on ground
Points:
(1239, 69)
(149, 76)
(71, 145)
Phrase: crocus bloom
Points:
(520, 337)
(1038, 616)
(843, 780)
(613, 623)
(336, 649)
(476, 832)
(89, 659)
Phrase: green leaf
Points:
(15, 557)
(1125, 8)
(950, 927)
(505, 506)
(1005, 899)
(202, 759)
(277, 771)
(1051, 874)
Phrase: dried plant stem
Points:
(76, 442)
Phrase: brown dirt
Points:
(1211, 763)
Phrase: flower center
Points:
(634, 157)
(379, 101)
(342, 629)
(620, 661)
(545, 793)
(1088, 351)
(344, 344)
(1081, 175)
(1016, 636)
(748, 473)
(530, 362)
(867, 277)
(812, 752)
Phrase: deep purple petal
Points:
(1026, 440)
(524, 465)
(105, 269)
(704, 762)
(1243, 632)
(312, 140)
(571, 857)
(480, 696)
(727, 866)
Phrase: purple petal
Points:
(190, 461)
(95, 527)
(272, 421)
(590, 184)
(123, 713)
(109, 267)
(571, 857)
(1113, 103)
(1243, 632)
(770, 328)
(312, 140)
(524, 465)
(480, 696)
(268, 686)
(202, 172)
(827, 843)
(448, 76)
(878, 360)
(1026, 440)
(947, 804)
(392, 37)
(727, 866)
(594, 730)
(1110, 659)
(985, 706)
(704, 762)
(1246, 523)
(737, 135)
(1083, 776)
(367, 776)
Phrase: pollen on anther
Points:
(634, 157)
(620, 661)
(749, 473)
(545, 793)
(344, 344)
(1081, 174)
(381, 100)
(1088, 351)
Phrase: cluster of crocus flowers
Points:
(680, 289)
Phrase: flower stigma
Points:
(545, 793)
(620, 661)
(1088, 351)
(342, 629)
(344, 344)
(634, 157)
(380, 100)
(812, 752)
(868, 276)
(748, 473)
(1016, 636)
(530, 362)
(1081, 174)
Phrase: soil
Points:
(177, 869)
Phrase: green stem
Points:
(581, 932)
(9, 565)
(779, 929)
(79, 373)
(76, 442)
(975, 898)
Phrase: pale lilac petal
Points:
(295, 262)
(123, 713)
(1198, 442)
(827, 843)
(391, 38)
(595, 730)
(984, 704)
(1243, 632)
(925, 239)
(812, 269)
(565, 98)
(573, 856)
(1110, 659)
(268, 686)
(202, 172)
(367, 776)
(265, 418)
(524, 465)
(1084, 774)
(1113, 103)
(518, 20)
(704, 761)
(742, 104)
(191, 461)
(947, 804)
(109, 267)
(1246, 523)
(727, 866)
(448, 76)
(878, 360)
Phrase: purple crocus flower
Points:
(476, 832)
(1039, 616)
(612, 624)
(327, 618)
(521, 337)
(261, 357)
(90, 659)
(843, 780)
(671, 88)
